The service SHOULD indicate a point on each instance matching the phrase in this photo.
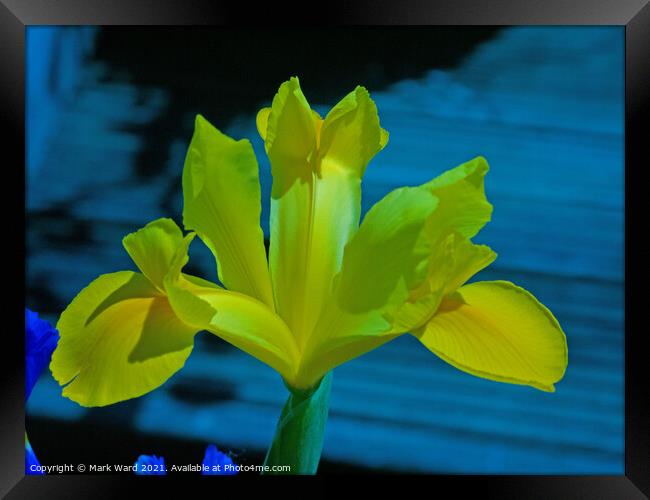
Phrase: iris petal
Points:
(463, 206)
(402, 263)
(462, 211)
(499, 331)
(290, 138)
(453, 260)
(316, 195)
(239, 319)
(120, 339)
(350, 135)
(153, 248)
(385, 259)
(222, 204)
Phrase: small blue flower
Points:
(219, 463)
(150, 465)
(40, 341)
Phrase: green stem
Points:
(298, 439)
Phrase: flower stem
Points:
(298, 439)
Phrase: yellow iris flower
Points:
(331, 289)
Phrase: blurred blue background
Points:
(109, 118)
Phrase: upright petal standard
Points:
(332, 289)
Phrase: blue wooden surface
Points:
(544, 106)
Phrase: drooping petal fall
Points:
(120, 339)
(499, 331)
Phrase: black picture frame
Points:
(634, 15)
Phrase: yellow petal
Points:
(463, 206)
(290, 137)
(244, 321)
(461, 212)
(383, 138)
(333, 352)
(465, 261)
(499, 331)
(179, 260)
(153, 247)
(239, 319)
(385, 259)
(221, 193)
(453, 260)
(351, 135)
(262, 121)
(119, 340)
(310, 225)
(316, 196)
